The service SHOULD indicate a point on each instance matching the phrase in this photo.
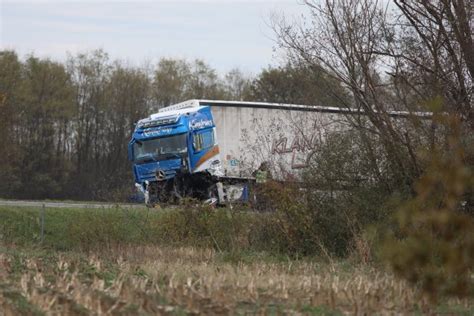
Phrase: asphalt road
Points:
(67, 204)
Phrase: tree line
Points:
(65, 125)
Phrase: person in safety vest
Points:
(263, 173)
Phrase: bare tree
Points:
(443, 60)
(343, 40)
(400, 59)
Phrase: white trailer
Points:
(282, 135)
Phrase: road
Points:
(67, 204)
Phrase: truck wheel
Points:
(212, 199)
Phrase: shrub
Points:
(434, 243)
(302, 226)
(339, 201)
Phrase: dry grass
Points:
(152, 280)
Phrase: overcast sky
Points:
(225, 33)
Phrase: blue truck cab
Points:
(175, 153)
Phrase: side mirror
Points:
(130, 151)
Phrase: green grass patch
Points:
(238, 233)
(67, 229)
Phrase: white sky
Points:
(225, 33)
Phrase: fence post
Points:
(42, 224)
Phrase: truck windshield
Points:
(160, 148)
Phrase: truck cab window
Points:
(162, 148)
(203, 140)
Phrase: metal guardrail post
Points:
(42, 223)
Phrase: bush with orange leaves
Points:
(434, 244)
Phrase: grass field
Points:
(132, 262)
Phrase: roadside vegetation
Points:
(116, 262)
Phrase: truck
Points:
(214, 151)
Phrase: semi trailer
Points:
(215, 151)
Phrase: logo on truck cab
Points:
(198, 124)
